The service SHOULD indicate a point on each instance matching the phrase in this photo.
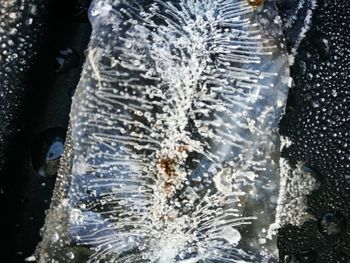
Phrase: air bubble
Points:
(70, 255)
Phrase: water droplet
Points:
(55, 237)
(70, 255)
(47, 150)
(13, 15)
(332, 223)
(66, 60)
(33, 10)
(315, 104)
(29, 21)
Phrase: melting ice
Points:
(175, 147)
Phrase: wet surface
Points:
(317, 122)
(29, 177)
(21, 30)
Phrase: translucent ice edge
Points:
(175, 135)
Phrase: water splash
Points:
(175, 134)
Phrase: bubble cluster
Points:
(19, 32)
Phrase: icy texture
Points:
(175, 137)
(296, 19)
(296, 184)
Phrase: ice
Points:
(174, 135)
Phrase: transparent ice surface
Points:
(175, 148)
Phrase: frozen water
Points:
(175, 136)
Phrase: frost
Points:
(296, 21)
(296, 185)
(174, 129)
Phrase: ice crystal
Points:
(295, 185)
(175, 133)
